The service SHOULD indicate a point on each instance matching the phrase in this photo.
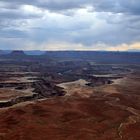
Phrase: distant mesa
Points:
(17, 53)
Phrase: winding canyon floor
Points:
(108, 112)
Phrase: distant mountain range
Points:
(34, 52)
(38, 52)
(96, 56)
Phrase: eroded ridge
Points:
(43, 98)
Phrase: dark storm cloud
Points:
(77, 21)
(117, 6)
(47, 4)
(10, 9)
(14, 14)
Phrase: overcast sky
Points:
(70, 24)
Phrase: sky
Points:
(111, 25)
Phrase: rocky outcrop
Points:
(42, 89)
(99, 81)
(47, 89)
(17, 53)
(17, 100)
(18, 86)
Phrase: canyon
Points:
(69, 97)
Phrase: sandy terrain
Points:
(77, 88)
(8, 94)
(111, 112)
